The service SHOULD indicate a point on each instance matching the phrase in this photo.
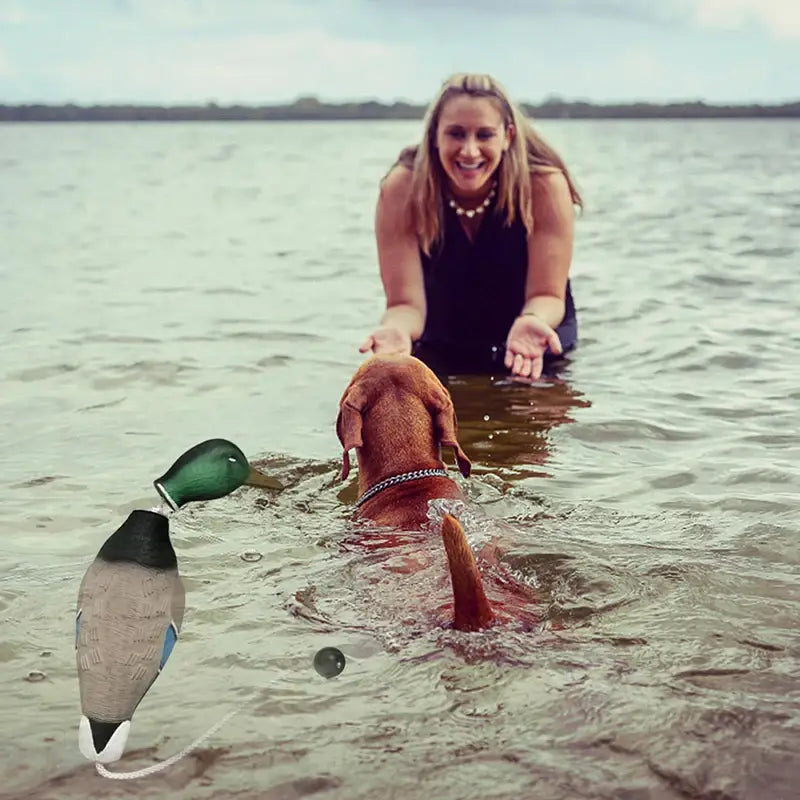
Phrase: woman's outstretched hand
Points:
(387, 340)
(527, 341)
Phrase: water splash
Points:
(480, 531)
(472, 520)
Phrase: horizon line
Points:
(314, 100)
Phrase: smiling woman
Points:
(475, 229)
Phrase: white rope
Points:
(140, 773)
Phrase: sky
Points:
(260, 52)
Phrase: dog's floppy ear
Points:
(348, 427)
(444, 420)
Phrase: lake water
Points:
(161, 284)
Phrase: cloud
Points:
(158, 16)
(247, 69)
(627, 10)
(196, 51)
(644, 73)
(14, 13)
(780, 17)
(642, 63)
(175, 14)
(240, 16)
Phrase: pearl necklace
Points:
(471, 212)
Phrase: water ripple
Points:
(641, 500)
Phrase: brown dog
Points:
(397, 415)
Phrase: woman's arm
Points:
(550, 245)
(400, 268)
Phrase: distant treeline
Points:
(311, 108)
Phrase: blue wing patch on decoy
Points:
(170, 638)
(78, 626)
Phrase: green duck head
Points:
(208, 470)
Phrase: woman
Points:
(474, 228)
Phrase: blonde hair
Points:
(527, 153)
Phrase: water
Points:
(164, 284)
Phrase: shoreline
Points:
(311, 109)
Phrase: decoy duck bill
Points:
(256, 478)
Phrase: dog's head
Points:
(380, 373)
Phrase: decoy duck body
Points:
(131, 600)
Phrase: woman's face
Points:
(471, 138)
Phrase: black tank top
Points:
(474, 290)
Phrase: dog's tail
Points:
(472, 609)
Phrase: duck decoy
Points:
(131, 600)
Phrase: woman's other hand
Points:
(527, 341)
(387, 339)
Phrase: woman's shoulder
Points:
(551, 180)
(403, 166)
(550, 188)
(395, 187)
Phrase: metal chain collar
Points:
(394, 480)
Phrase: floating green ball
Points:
(329, 662)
